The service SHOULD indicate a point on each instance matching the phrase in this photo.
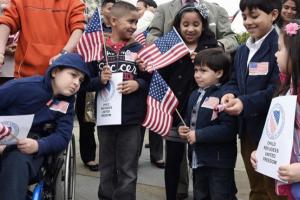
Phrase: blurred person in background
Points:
(7, 70)
(146, 9)
(290, 10)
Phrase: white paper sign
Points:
(109, 102)
(19, 126)
(275, 145)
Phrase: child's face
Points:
(282, 56)
(191, 27)
(125, 26)
(257, 22)
(289, 11)
(206, 77)
(66, 81)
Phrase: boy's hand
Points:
(234, 107)
(183, 131)
(141, 64)
(253, 159)
(128, 87)
(290, 173)
(28, 146)
(191, 137)
(226, 98)
(105, 75)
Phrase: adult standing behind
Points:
(87, 142)
(146, 9)
(48, 28)
(7, 72)
(217, 19)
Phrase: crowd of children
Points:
(220, 98)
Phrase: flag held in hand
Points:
(164, 51)
(161, 103)
(90, 44)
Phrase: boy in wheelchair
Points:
(51, 99)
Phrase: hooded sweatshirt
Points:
(34, 95)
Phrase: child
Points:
(191, 23)
(249, 92)
(51, 99)
(212, 136)
(289, 63)
(119, 144)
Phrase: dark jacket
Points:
(180, 77)
(32, 95)
(215, 138)
(134, 104)
(255, 92)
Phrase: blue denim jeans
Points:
(17, 170)
(211, 183)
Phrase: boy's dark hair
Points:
(265, 5)
(150, 3)
(207, 33)
(121, 8)
(292, 45)
(215, 59)
(104, 2)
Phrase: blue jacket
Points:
(255, 92)
(215, 138)
(134, 104)
(31, 95)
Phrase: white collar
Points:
(256, 45)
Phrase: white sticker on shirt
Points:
(130, 56)
(60, 106)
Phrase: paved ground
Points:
(150, 179)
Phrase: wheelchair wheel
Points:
(65, 183)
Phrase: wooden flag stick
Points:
(180, 117)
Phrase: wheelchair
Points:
(58, 177)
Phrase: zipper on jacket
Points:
(218, 155)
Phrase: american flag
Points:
(161, 103)
(258, 68)
(60, 106)
(141, 37)
(164, 51)
(90, 44)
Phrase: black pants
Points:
(87, 142)
(174, 156)
(155, 144)
(119, 149)
(211, 183)
(16, 172)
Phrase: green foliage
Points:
(242, 37)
